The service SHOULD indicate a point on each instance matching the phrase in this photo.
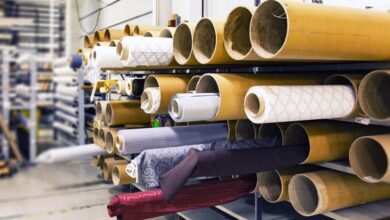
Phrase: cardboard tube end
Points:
(107, 35)
(192, 83)
(110, 143)
(296, 135)
(121, 51)
(166, 33)
(119, 142)
(127, 30)
(270, 130)
(115, 176)
(182, 44)
(205, 41)
(136, 30)
(254, 105)
(303, 195)
(270, 185)
(109, 114)
(368, 159)
(245, 130)
(268, 28)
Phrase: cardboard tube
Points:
(273, 184)
(119, 175)
(370, 158)
(168, 86)
(325, 191)
(129, 87)
(182, 44)
(101, 138)
(374, 95)
(208, 42)
(102, 157)
(105, 57)
(89, 41)
(101, 110)
(125, 112)
(142, 29)
(100, 43)
(327, 140)
(121, 86)
(236, 34)
(108, 165)
(152, 34)
(95, 136)
(112, 34)
(232, 89)
(246, 130)
(113, 43)
(351, 80)
(272, 130)
(191, 87)
(128, 30)
(109, 139)
(168, 32)
(280, 30)
(98, 36)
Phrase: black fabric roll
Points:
(229, 162)
(138, 86)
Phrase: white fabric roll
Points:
(194, 107)
(70, 118)
(44, 96)
(65, 70)
(65, 98)
(137, 140)
(151, 104)
(66, 108)
(105, 56)
(147, 51)
(67, 90)
(65, 128)
(121, 87)
(61, 62)
(65, 79)
(129, 87)
(298, 103)
(63, 154)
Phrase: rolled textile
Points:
(152, 34)
(350, 80)
(60, 62)
(328, 140)
(246, 130)
(121, 87)
(273, 130)
(193, 107)
(208, 42)
(273, 184)
(98, 36)
(137, 86)
(119, 175)
(136, 206)
(229, 162)
(232, 89)
(369, 158)
(65, 128)
(70, 118)
(128, 30)
(280, 30)
(105, 57)
(150, 164)
(125, 112)
(156, 100)
(109, 164)
(137, 140)
(142, 29)
(112, 34)
(182, 44)
(168, 32)
(270, 104)
(64, 70)
(67, 90)
(191, 87)
(56, 155)
(129, 86)
(76, 61)
(145, 51)
(374, 95)
(66, 108)
(101, 110)
(325, 191)
(64, 79)
(236, 34)
(89, 41)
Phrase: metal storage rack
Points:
(239, 209)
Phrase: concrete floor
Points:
(56, 191)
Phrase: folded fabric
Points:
(229, 162)
(149, 165)
(149, 204)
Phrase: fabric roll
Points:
(137, 206)
(136, 140)
(270, 104)
(145, 51)
(63, 154)
(129, 87)
(70, 118)
(76, 61)
(137, 87)
(65, 128)
(150, 100)
(125, 112)
(222, 162)
(60, 62)
(105, 57)
(108, 166)
(121, 87)
(119, 175)
(65, 70)
(66, 108)
(67, 90)
(369, 157)
(325, 191)
(64, 79)
(194, 107)
(150, 164)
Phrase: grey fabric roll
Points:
(149, 165)
(132, 141)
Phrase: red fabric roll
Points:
(149, 204)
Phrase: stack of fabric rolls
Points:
(176, 128)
